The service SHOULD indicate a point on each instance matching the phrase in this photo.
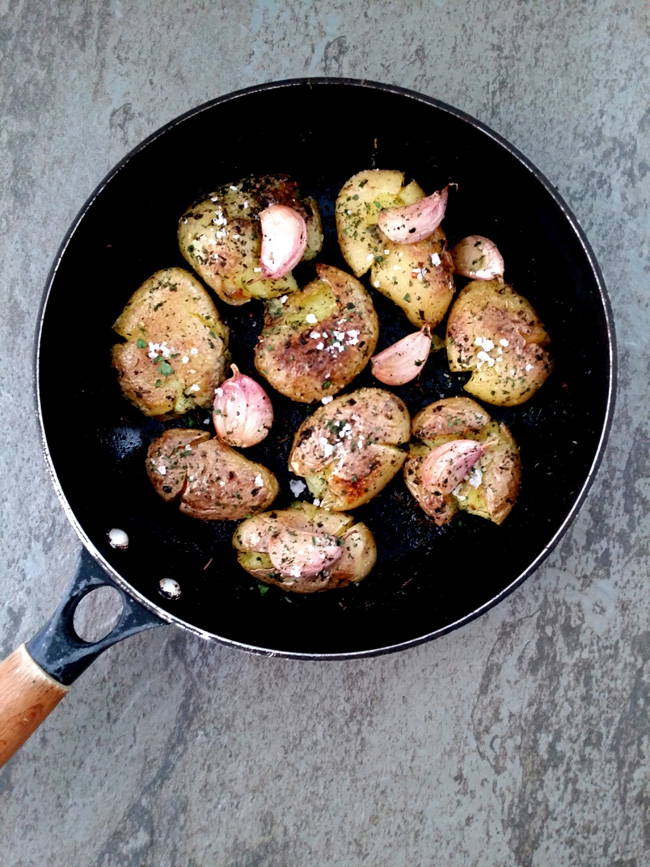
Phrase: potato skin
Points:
(358, 555)
(320, 339)
(170, 308)
(348, 450)
(500, 467)
(210, 480)
(220, 236)
(517, 364)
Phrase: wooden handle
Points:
(27, 696)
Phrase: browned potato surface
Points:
(497, 335)
(305, 524)
(175, 353)
(491, 487)
(209, 479)
(315, 343)
(220, 236)
(348, 450)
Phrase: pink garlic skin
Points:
(478, 257)
(404, 360)
(243, 412)
(446, 466)
(293, 553)
(284, 240)
(406, 225)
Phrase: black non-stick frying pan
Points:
(428, 580)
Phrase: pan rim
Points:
(581, 495)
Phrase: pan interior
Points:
(426, 578)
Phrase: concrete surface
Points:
(520, 740)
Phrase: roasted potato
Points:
(175, 353)
(417, 277)
(497, 335)
(357, 205)
(315, 343)
(209, 479)
(305, 549)
(487, 483)
(347, 451)
(221, 239)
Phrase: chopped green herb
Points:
(354, 478)
(157, 384)
(217, 412)
(263, 588)
(350, 306)
(142, 344)
(327, 383)
(166, 369)
(355, 196)
(190, 249)
(407, 297)
(212, 334)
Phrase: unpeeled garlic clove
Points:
(243, 413)
(478, 257)
(301, 555)
(406, 225)
(446, 466)
(401, 362)
(284, 239)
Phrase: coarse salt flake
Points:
(118, 538)
(315, 335)
(185, 359)
(195, 387)
(194, 351)
(259, 481)
(162, 469)
(327, 400)
(435, 259)
(504, 342)
(311, 319)
(297, 487)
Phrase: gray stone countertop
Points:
(522, 739)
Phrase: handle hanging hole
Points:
(97, 613)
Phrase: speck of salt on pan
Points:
(118, 538)
(297, 487)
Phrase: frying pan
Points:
(428, 580)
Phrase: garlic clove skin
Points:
(478, 257)
(301, 555)
(284, 240)
(243, 412)
(403, 361)
(406, 225)
(446, 466)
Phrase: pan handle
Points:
(36, 676)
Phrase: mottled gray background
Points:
(520, 740)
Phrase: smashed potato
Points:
(209, 479)
(464, 462)
(348, 450)
(221, 238)
(497, 335)
(175, 353)
(417, 277)
(315, 343)
(305, 549)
